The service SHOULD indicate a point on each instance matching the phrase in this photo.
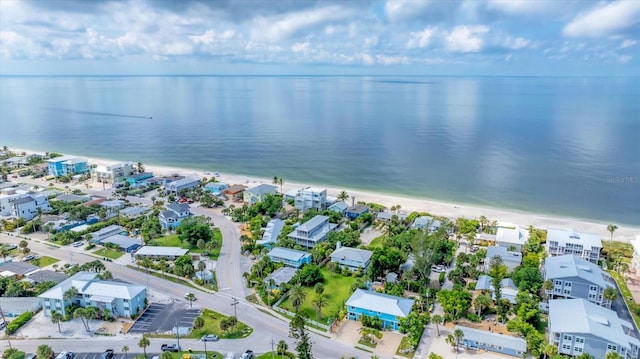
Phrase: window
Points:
(577, 350)
(567, 284)
(567, 337)
(579, 340)
(612, 347)
(593, 287)
(558, 282)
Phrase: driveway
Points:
(348, 332)
(388, 345)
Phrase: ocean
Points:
(557, 146)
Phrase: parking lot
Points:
(115, 356)
(160, 318)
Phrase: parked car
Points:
(209, 338)
(30, 257)
(11, 246)
(108, 354)
(438, 269)
(230, 355)
(248, 354)
(3, 325)
(78, 244)
(170, 348)
(475, 248)
(65, 355)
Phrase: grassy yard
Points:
(376, 242)
(405, 349)
(109, 253)
(626, 294)
(44, 261)
(337, 289)
(212, 326)
(173, 240)
(276, 356)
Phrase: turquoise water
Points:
(566, 146)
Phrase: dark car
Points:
(248, 355)
(108, 354)
(170, 348)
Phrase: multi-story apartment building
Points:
(67, 166)
(577, 326)
(574, 277)
(108, 174)
(584, 245)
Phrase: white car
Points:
(438, 269)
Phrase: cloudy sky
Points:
(422, 37)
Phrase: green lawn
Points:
(44, 261)
(336, 289)
(626, 293)
(212, 354)
(276, 356)
(173, 240)
(376, 242)
(109, 253)
(212, 326)
(404, 349)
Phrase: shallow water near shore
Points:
(561, 146)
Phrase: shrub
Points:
(90, 246)
(472, 286)
(19, 321)
(473, 317)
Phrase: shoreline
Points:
(435, 207)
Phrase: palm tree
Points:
(459, 335)
(343, 196)
(56, 318)
(90, 313)
(612, 228)
(451, 340)
(437, 320)
(320, 301)
(483, 222)
(70, 294)
(44, 352)
(297, 296)
(4, 252)
(482, 301)
(612, 355)
(201, 267)
(79, 313)
(190, 297)
(281, 182)
(610, 294)
(140, 167)
(125, 349)
(548, 350)
(282, 348)
(276, 181)
(144, 343)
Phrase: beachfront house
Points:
(173, 216)
(477, 339)
(387, 307)
(339, 207)
(509, 259)
(635, 261)
(351, 258)
(279, 276)
(426, 223)
(508, 289)
(109, 174)
(157, 252)
(577, 326)
(138, 179)
(259, 193)
(184, 184)
(216, 188)
(574, 277)
(387, 216)
(585, 245)
(235, 192)
(67, 166)
(512, 238)
(311, 198)
(121, 299)
(312, 232)
(271, 233)
(290, 257)
(356, 211)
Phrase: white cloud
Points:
(283, 27)
(399, 10)
(420, 39)
(605, 20)
(300, 47)
(524, 7)
(623, 59)
(392, 60)
(466, 38)
(367, 59)
(515, 43)
(627, 43)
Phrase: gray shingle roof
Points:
(358, 208)
(379, 302)
(178, 207)
(281, 275)
(568, 265)
(313, 223)
(352, 254)
(496, 339)
(582, 316)
(262, 189)
(288, 254)
(20, 268)
(23, 200)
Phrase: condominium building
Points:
(584, 245)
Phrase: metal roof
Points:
(495, 339)
(379, 302)
(569, 265)
(288, 254)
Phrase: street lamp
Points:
(234, 304)
(178, 334)
(205, 349)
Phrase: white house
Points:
(311, 198)
(512, 238)
(27, 206)
(584, 245)
(120, 299)
(109, 174)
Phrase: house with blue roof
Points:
(577, 326)
(271, 233)
(258, 193)
(574, 277)
(351, 258)
(356, 211)
(67, 166)
(490, 341)
(216, 188)
(137, 179)
(290, 257)
(339, 207)
(313, 231)
(387, 307)
(174, 215)
(124, 243)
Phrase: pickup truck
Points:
(170, 348)
(108, 354)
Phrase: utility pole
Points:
(178, 335)
(272, 343)
(205, 349)
(6, 329)
(234, 304)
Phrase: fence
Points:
(290, 314)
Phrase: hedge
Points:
(19, 321)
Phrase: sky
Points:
(329, 37)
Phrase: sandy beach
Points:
(438, 208)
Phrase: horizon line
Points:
(313, 75)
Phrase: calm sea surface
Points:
(566, 146)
